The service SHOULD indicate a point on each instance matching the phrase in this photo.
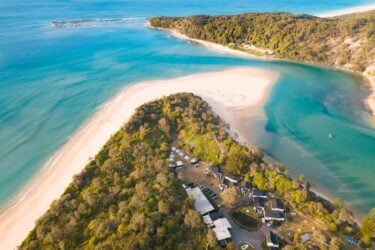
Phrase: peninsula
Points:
(171, 169)
(252, 88)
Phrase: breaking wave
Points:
(96, 22)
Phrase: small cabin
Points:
(246, 188)
(217, 172)
(210, 218)
(233, 179)
(272, 240)
(259, 205)
(277, 205)
(270, 215)
(258, 194)
(224, 184)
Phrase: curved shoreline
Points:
(369, 102)
(251, 90)
(347, 11)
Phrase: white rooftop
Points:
(222, 222)
(305, 237)
(207, 219)
(201, 203)
(222, 233)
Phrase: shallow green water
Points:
(52, 80)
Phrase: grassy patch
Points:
(264, 244)
(246, 218)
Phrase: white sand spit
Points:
(224, 90)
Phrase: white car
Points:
(182, 154)
(207, 171)
(194, 161)
(179, 164)
(187, 157)
(174, 148)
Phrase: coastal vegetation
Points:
(345, 41)
(126, 197)
(368, 227)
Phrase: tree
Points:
(163, 207)
(231, 197)
(335, 244)
(164, 125)
(301, 178)
(368, 227)
(259, 180)
(193, 219)
(238, 158)
(231, 246)
(211, 239)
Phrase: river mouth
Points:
(316, 124)
(53, 80)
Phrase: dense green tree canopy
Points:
(126, 198)
(347, 41)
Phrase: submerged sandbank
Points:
(224, 91)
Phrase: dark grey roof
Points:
(225, 182)
(273, 214)
(222, 243)
(258, 202)
(215, 215)
(276, 204)
(257, 192)
(247, 185)
(190, 185)
(216, 169)
(271, 237)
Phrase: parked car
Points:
(194, 160)
(207, 171)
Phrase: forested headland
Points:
(346, 41)
(126, 198)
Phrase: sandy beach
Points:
(209, 45)
(224, 91)
(347, 11)
(369, 102)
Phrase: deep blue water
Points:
(52, 80)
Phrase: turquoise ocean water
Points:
(52, 80)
